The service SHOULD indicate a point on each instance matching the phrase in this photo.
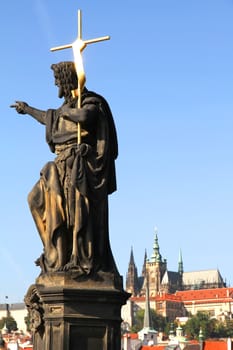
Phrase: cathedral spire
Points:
(144, 265)
(132, 276)
(180, 264)
(131, 259)
(156, 256)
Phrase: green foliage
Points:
(159, 323)
(200, 321)
(211, 327)
(9, 322)
(229, 328)
(138, 321)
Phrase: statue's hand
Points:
(20, 107)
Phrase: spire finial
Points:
(131, 260)
(156, 256)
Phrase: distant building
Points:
(175, 293)
(218, 302)
(161, 280)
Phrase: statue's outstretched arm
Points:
(23, 108)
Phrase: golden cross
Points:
(78, 46)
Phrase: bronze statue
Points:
(69, 203)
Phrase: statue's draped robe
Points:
(71, 197)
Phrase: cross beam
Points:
(78, 46)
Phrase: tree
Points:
(159, 322)
(211, 327)
(199, 321)
(138, 321)
(223, 329)
(9, 322)
(229, 328)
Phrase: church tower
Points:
(155, 268)
(132, 283)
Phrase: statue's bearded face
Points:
(59, 85)
(60, 92)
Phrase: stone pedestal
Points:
(75, 314)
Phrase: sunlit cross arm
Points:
(78, 46)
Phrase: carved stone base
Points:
(69, 314)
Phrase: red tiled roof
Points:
(215, 345)
(133, 335)
(155, 347)
(162, 347)
(208, 345)
(159, 297)
(188, 296)
(215, 294)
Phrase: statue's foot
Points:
(72, 264)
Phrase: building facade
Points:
(162, 280)
(175, 294)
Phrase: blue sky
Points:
(167, 73)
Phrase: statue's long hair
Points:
(66, 74)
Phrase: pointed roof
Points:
(180, 263)
(147, 315)
(131, 259)
(147, 323)
(144, 264)
(156, 256)
(170, 277)
(132, 281)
